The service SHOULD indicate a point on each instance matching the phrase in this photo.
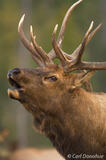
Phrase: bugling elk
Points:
(73, 118)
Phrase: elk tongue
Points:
(14, 94)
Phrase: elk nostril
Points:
(15, 71)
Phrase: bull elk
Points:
(73, 118)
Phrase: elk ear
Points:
(82, 78)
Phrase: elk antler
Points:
(73, 61)
(69, 62)
(37, 52)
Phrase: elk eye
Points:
(51, 78)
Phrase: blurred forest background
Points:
(43, 15)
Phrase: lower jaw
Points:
(14, 93)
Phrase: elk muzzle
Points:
(14, 93)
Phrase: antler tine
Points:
(39, 50)
(91, 35)
(76, 56)
(65, 20)
(60, 38)
(27, 44)
(57, 49)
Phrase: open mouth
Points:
(14, 83)
(14, 93)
